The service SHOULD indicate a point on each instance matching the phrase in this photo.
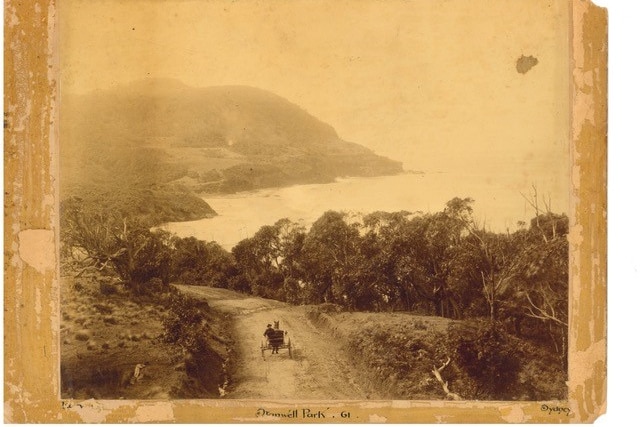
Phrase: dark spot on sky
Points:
(525, 63)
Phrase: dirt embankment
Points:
(395, 350)
(113, 347)
(401, 352)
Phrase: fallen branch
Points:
(137, 373)
(437, 372)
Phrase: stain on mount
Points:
(525, 63)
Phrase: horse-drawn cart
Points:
(276, 340)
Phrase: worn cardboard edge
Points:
(588, 253)
(31, 290)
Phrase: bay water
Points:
(498, 205)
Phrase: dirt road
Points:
(318, 370)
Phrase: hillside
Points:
(203, 140)
(107, 333)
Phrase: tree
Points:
(543, 274)
(329, 257)
(254, 266)
(270, 258)
(543, 291)
(442, 234)
(94, 237)
(486, 262)
(287, 256)
(413, 256)
(197, 262)
(547, 225)
(403, 258)
(386, 252)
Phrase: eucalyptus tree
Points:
(198, 262)
(330, 257)
(269, 260)
(94, 237)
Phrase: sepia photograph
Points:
(322, 204)
(284, 203)
(319, 204)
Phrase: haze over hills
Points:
(161, 135)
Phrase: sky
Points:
(432, 83)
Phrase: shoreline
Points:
(336, 180)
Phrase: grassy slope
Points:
(400, 350)
(105, 336)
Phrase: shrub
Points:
(240, 283)
(186, 324)
(107, 288)
(401, 359)
(83, 335)
(153, 286)
(489, 356)
(103, 308)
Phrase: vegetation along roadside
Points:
(498, 300)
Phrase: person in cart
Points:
(271, 335)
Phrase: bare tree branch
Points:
(542, 314)
(533, 202)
